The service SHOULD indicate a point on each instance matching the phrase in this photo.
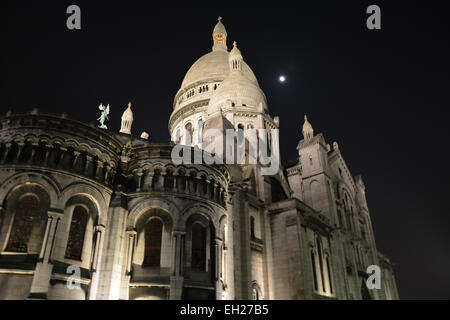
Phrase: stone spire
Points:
(308, 131)
(127, 120)
(219, 36)
(235, 58)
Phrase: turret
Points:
(127, 120)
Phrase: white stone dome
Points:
(213, 66)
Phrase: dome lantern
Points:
(220, 36)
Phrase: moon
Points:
(282, 79)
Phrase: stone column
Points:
(48, 149)
(217, 262)
(187, 183)
(75, 158)
(177, 279)
(62, 151)
(175, 183)
(215, 192)
(111, 266)
(98, 245)
(208, 189)
(6, 152)
(107, 174)
(148, 181)
(99, 171)
(159, 185)
(96, 260)
(198, 186)
(34, 147)
(131, 236)
(20, 146)
(138, 176)
(45, 241)
(43, 272)
(88, 165)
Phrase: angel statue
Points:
(103, 116)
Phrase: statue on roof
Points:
(103, 116)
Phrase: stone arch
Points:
(23, 178)
(148, 204)
(202, 209)
(92, 193)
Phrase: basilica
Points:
(91, 214)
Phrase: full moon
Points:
(282, 78)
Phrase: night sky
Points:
(382, 95)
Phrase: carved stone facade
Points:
(114, 213)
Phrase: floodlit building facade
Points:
(86, 213)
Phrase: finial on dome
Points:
(219, 18)
(308, 131)
(235, 44)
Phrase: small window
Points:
(252, 227)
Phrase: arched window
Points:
(27, 214)
(198, 247)
(77, 232)
(153, 236)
